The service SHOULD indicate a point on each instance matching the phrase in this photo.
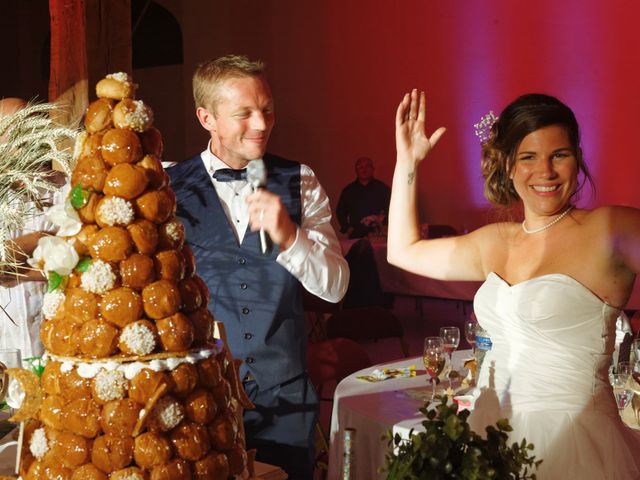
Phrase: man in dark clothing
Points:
(364, 203)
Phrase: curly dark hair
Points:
(521, 117)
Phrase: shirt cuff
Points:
(294, 256)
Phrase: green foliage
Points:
(36, 365)
(79, 197)
(84, 264)
(448, 450)
(54, 281)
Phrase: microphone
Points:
(257, 178)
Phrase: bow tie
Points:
(229, 174)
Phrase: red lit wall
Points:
(339, 68)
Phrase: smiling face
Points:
(545, 171)
(241, 120)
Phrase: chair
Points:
(331, 361)
(364, 282)
(315, 310)
(366, 323)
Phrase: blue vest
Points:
(258, 300)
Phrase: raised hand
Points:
(412, 144)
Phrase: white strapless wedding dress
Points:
(548, 373)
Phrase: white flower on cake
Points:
(39, 445)
(168, 413)
(51, 303)
(110, 385)
(54, 254)
(15, 394)
(66, 218)
(99, 277)
(115, 211)
(138, 338)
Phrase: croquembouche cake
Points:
(135, 386)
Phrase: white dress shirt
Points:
(315, 257)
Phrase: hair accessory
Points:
(550, 224)
(483, 127)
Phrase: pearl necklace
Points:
(548, 225)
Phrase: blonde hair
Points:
(210, 75)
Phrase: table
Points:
(400, 282)
(373, 409)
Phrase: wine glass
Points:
(624, 368)
(634, 357)
(433, 358)
(450, 340)
(470, 332)
(621, 390)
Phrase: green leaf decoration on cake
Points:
(54, 280)
(83, 265)
(36, 365)
(79, 197)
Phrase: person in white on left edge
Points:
(258, 297)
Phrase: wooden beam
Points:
(68, 84)
(108, 38)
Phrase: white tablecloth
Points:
(373, 409)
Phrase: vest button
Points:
(243, 286)
(248, 336)
(241, 261)
(249, 360)
(245, 310)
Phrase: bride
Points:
(553, 284)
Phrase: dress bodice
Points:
(552, 339)
(547, 372)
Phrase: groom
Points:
(257, 296)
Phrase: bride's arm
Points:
(624, 223)
(453, 258)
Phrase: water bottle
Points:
(483, 345)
